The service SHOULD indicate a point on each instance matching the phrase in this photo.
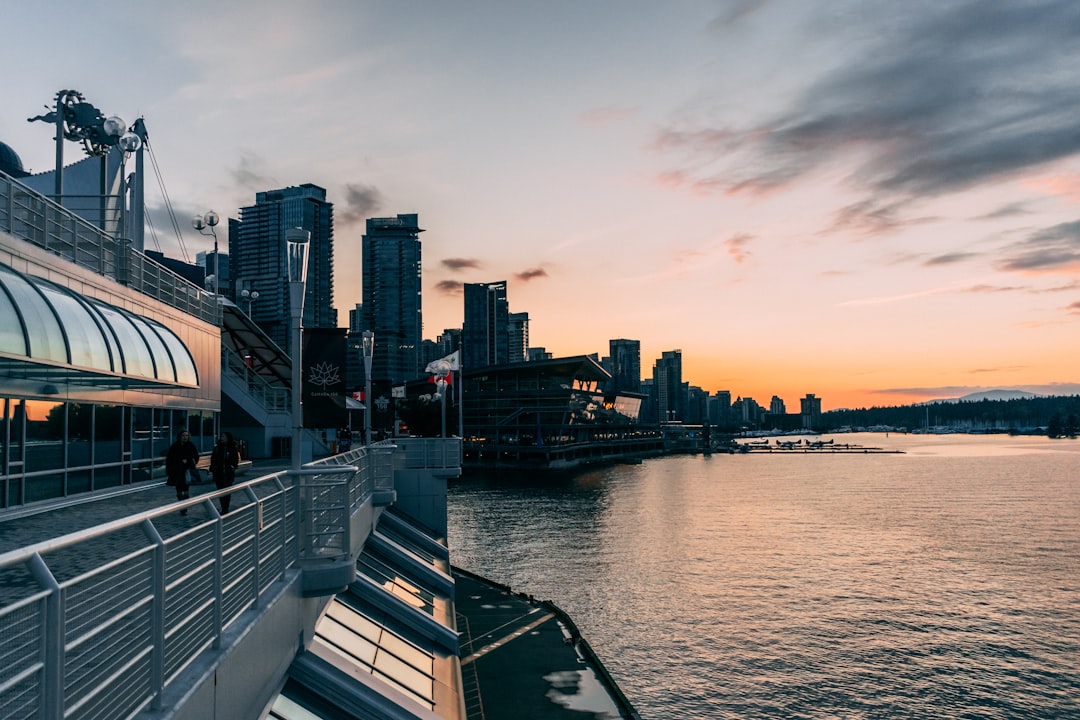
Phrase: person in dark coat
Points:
(223, 461)
(181, 460)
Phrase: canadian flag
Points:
(358, 396)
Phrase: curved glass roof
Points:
(42, 322)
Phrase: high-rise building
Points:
(810, 410)
(392, 297)
(258, 259)
(517, 328)
(776, 406)
(625, 365)
(484, 335)
(668, 385)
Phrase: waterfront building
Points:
(392, 300)
(258, 258)
(776, 406)
(484, 332)
(720, 409)
(539, 353)
(668, 386)
(697, 406)
(550, 414)
(105, 356)
(810, 410)
(625, 361)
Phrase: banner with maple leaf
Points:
(323, 386)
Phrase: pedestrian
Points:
(181, 462)
(223, 461)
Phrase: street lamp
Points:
(199, 222)
(297, 241)
(368, 349)
(250, 296)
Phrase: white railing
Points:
(96, 623)
(31, 216)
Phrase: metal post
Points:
(297, 242)
(368, 348)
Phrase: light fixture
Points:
(208, 220)
(297, 241)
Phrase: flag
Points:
(453, 360)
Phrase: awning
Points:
(51, 333)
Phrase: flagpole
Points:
(461, 403)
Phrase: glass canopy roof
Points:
(51, 332)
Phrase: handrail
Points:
(102, 619)
(31, 216)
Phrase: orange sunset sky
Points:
(875, 202)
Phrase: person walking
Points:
(223, 461)
(180, 463)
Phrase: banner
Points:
(323, 386)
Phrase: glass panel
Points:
(162, 362)
(44, 487)
(286, 709)
(182, 362)
(108, 425)
(406, 652)
(346, 639)
(354, 620)
(80, 417)
(78, 481)
(133, 349)
(85, 339)
(106, 477)
(404, 675)
(12, 339)
(46, 337)
(45, 444)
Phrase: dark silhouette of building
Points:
(485, 338)
(625, 365)
(258, 260)
(392, 307)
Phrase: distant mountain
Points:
(990, 395)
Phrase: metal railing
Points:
(431, 453)
(96, 623)
(270, 398)
(28, 215)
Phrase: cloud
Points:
(249, 173)
(449, 287)
(950, 258)
(1052, 249)
(361, 202)
(940, 97)
(734, 12)
(531, 274)
(1008, 210)
(459, 264)
(982, 288)
(736, 246)
(1074, 308)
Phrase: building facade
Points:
(668, 386)
(484, 334)
(392, 300)
(625, 364)
(258, 260)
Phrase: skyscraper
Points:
(517, 328)
(258, 259)
(392, 296)
(625, 365)
(484, 332)
(668, 384)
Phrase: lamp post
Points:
(250, 296)
(209, 220)
(368, 349)
(297, 241)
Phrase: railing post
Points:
(52, 682)
(157, 621)
(219, 584)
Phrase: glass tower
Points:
(485, 338)
(391, 297)
(258, 259)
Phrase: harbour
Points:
(936, 581)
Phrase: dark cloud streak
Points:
(947, 97)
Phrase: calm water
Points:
(943, 582)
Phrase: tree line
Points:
(1057, 416)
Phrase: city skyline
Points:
(870, 202)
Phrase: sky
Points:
(871, 201)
